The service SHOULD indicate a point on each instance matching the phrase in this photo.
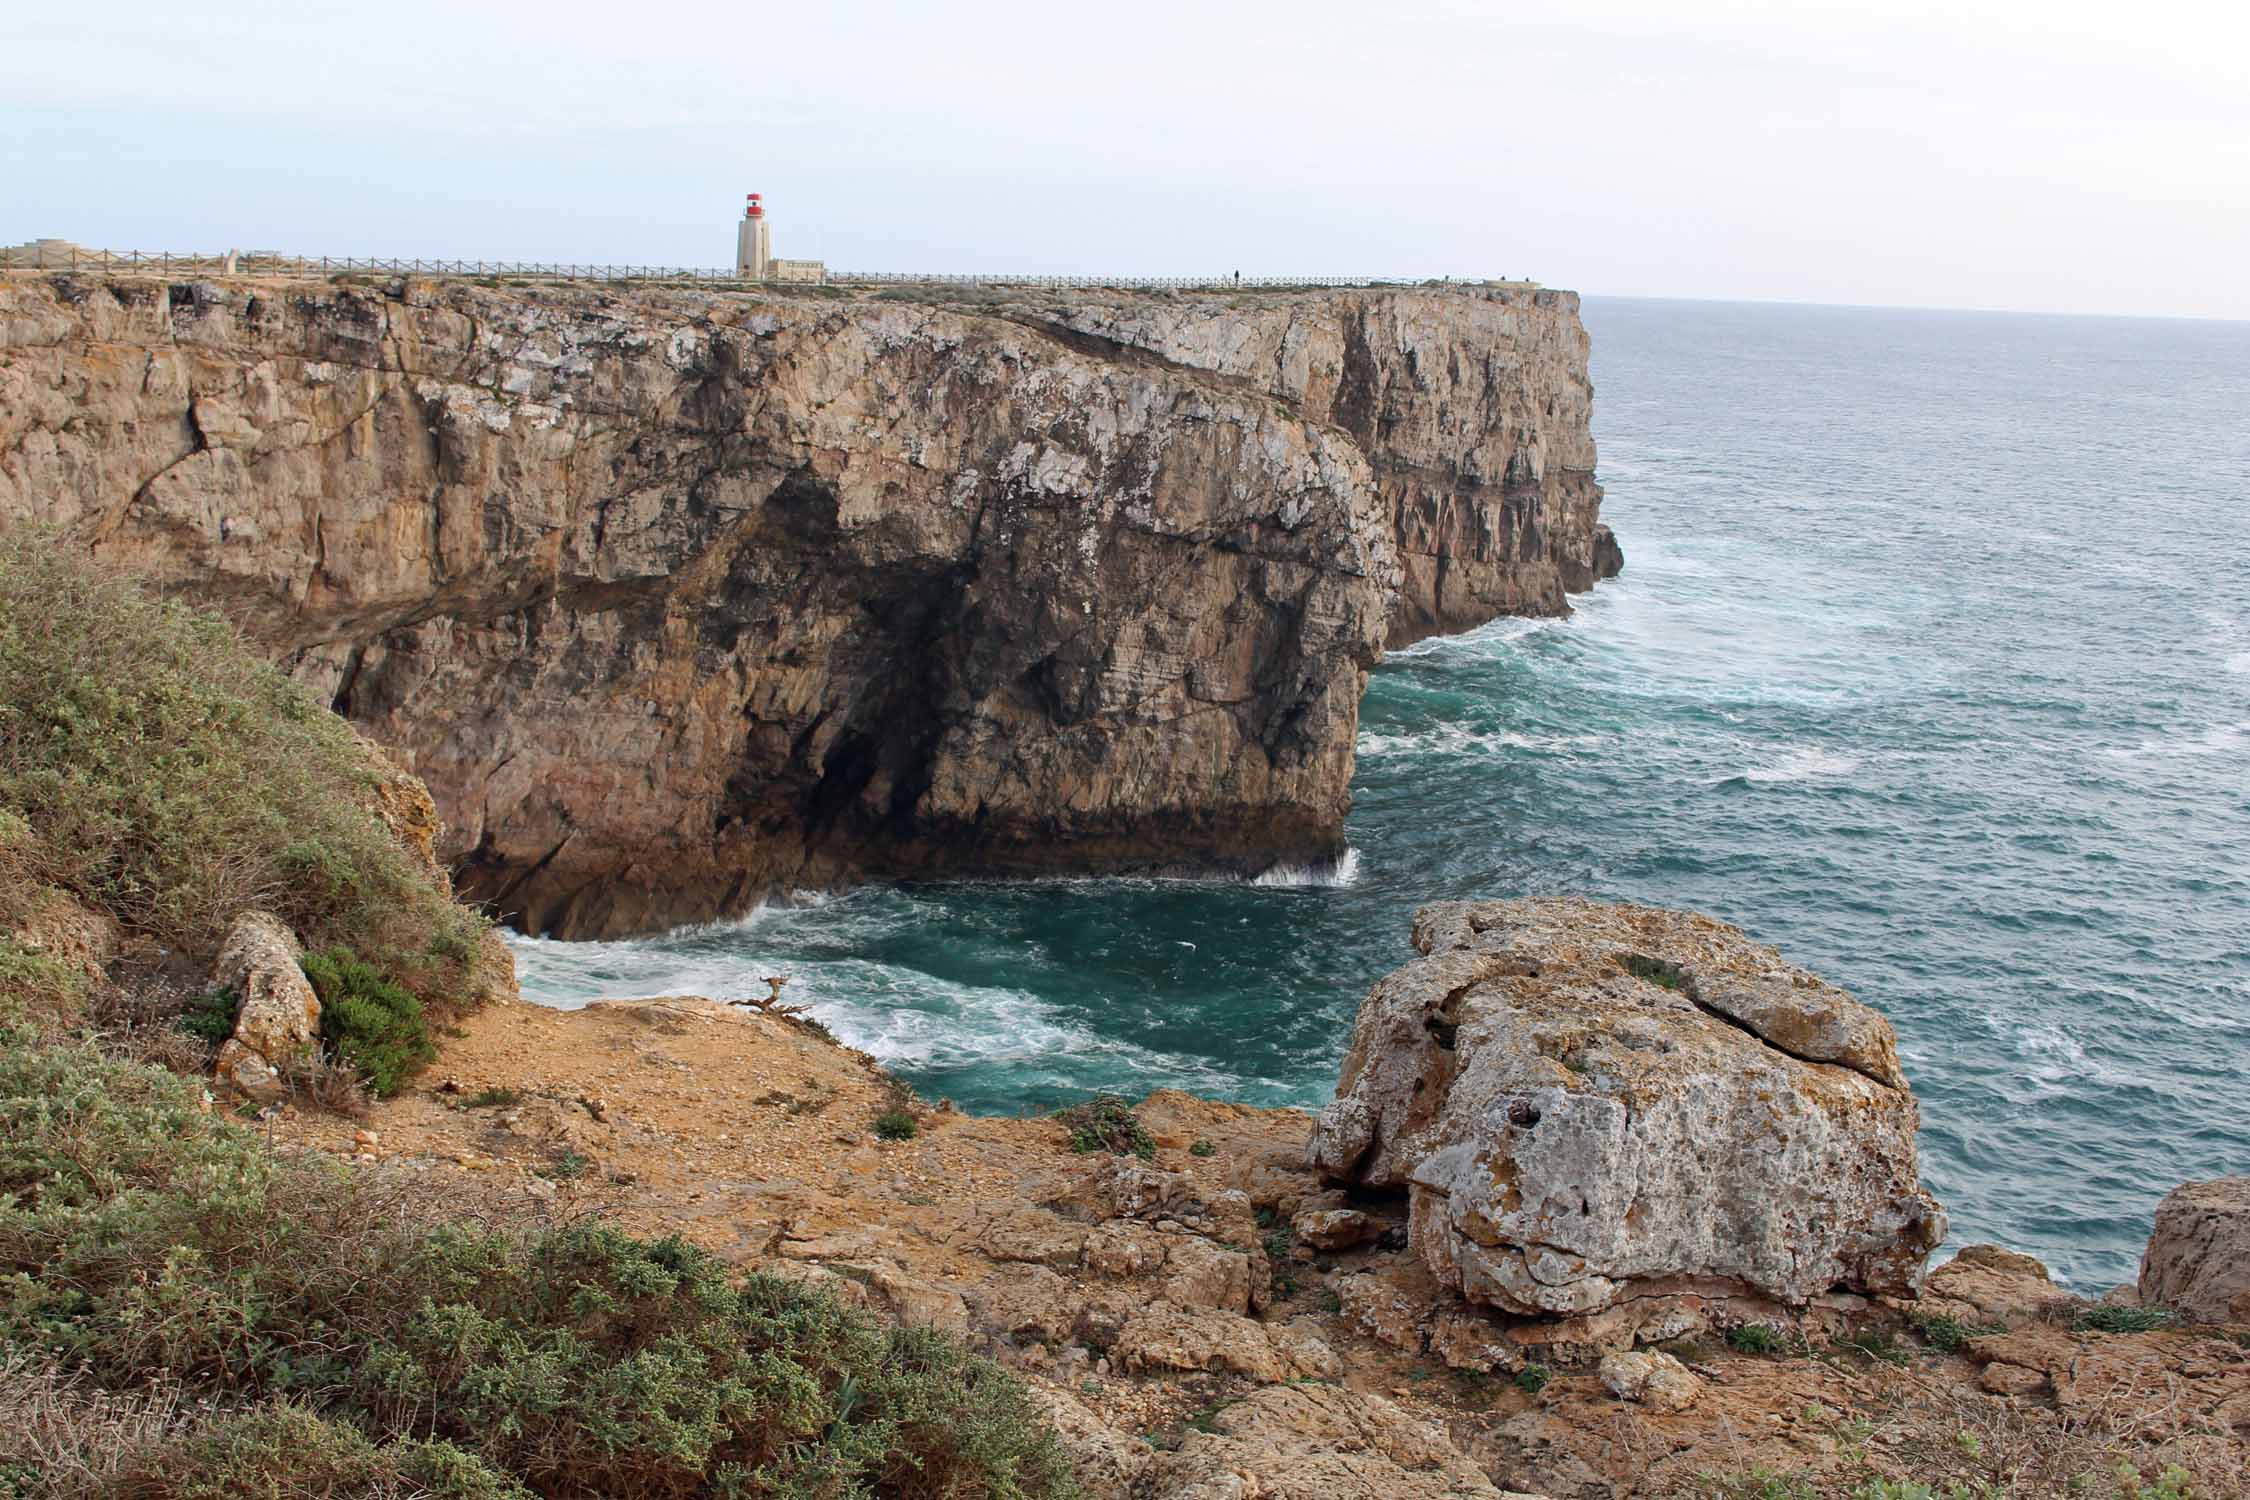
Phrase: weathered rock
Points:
(677, 598)
(280, 1017)
(1579, 1126)
(2003, 1379)
(1318, 1443)
(1034, 1235)
(1651, 1378)
(913, 1301)
(1463, 1339)
(1986, 1284)
(1391, 1303)
(2198, 1257)
(1334, 1228)
(1108, 1463)
(1162, 1337)
(1198, 1273)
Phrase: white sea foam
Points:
(1499, 632)
(2239, 663)
(1804, 764)
(1460, 740)
(909, 1019)
(1343, 872)
(2219, 739)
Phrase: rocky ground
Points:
(1214, 1320)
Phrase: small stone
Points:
(2010, 1380)
(366, 1140)
(1652, 1379)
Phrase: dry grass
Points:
(1926, 1431)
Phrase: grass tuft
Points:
(2110, 1318)
(1106, 1122)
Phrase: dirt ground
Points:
(1169, 1307)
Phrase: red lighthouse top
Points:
(756, 210)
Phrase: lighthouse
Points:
(753, 243)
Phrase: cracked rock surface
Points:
(1593, 1107)
(675, 598)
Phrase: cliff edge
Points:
(674, 598)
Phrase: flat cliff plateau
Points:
(675, 598)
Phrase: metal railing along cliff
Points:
(167, 263)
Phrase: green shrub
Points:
(500, 1098)
(1877, 1343)
(161, 771)
(1203, 1148)
(149, 1241)
(1947, 1334)
(897, 1124)
(36, 989)
(367, 1022)
(1106, 1122)
(1533, 1378)
(210, 1016)
(2110, 1318)
(284, 1452)
(1754, 1338)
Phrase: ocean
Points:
(1930, 665)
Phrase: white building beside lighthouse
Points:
(754, 259)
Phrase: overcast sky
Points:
(2055, 155)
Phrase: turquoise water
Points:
(1930, 664)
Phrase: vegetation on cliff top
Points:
(154, 767)
(310, 1330)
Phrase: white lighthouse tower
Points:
(753, 243)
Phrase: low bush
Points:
(347, 1340)
(1947, 1334)
(1754, 1338)
(155, 767)
(367, 1022)
(35, 989)
(897, 1124)
(1106, 1122)
(2110, 1318)
(210, 1016)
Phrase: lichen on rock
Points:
(1593, 1105)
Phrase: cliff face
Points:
(674, 598)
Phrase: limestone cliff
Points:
(673, 597)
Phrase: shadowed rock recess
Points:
(674, 598)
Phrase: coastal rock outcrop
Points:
(2198, 1256)
(279, 1021)
(676, 598)
(1591, 1105)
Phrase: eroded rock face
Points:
(1593, 1104)
(676, 598)
(2198, 1257)
(280, 1016)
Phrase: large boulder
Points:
(1590, 1103)
(280, 1017)
(2198, 1258)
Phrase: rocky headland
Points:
(676, 598)
(672, 597)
